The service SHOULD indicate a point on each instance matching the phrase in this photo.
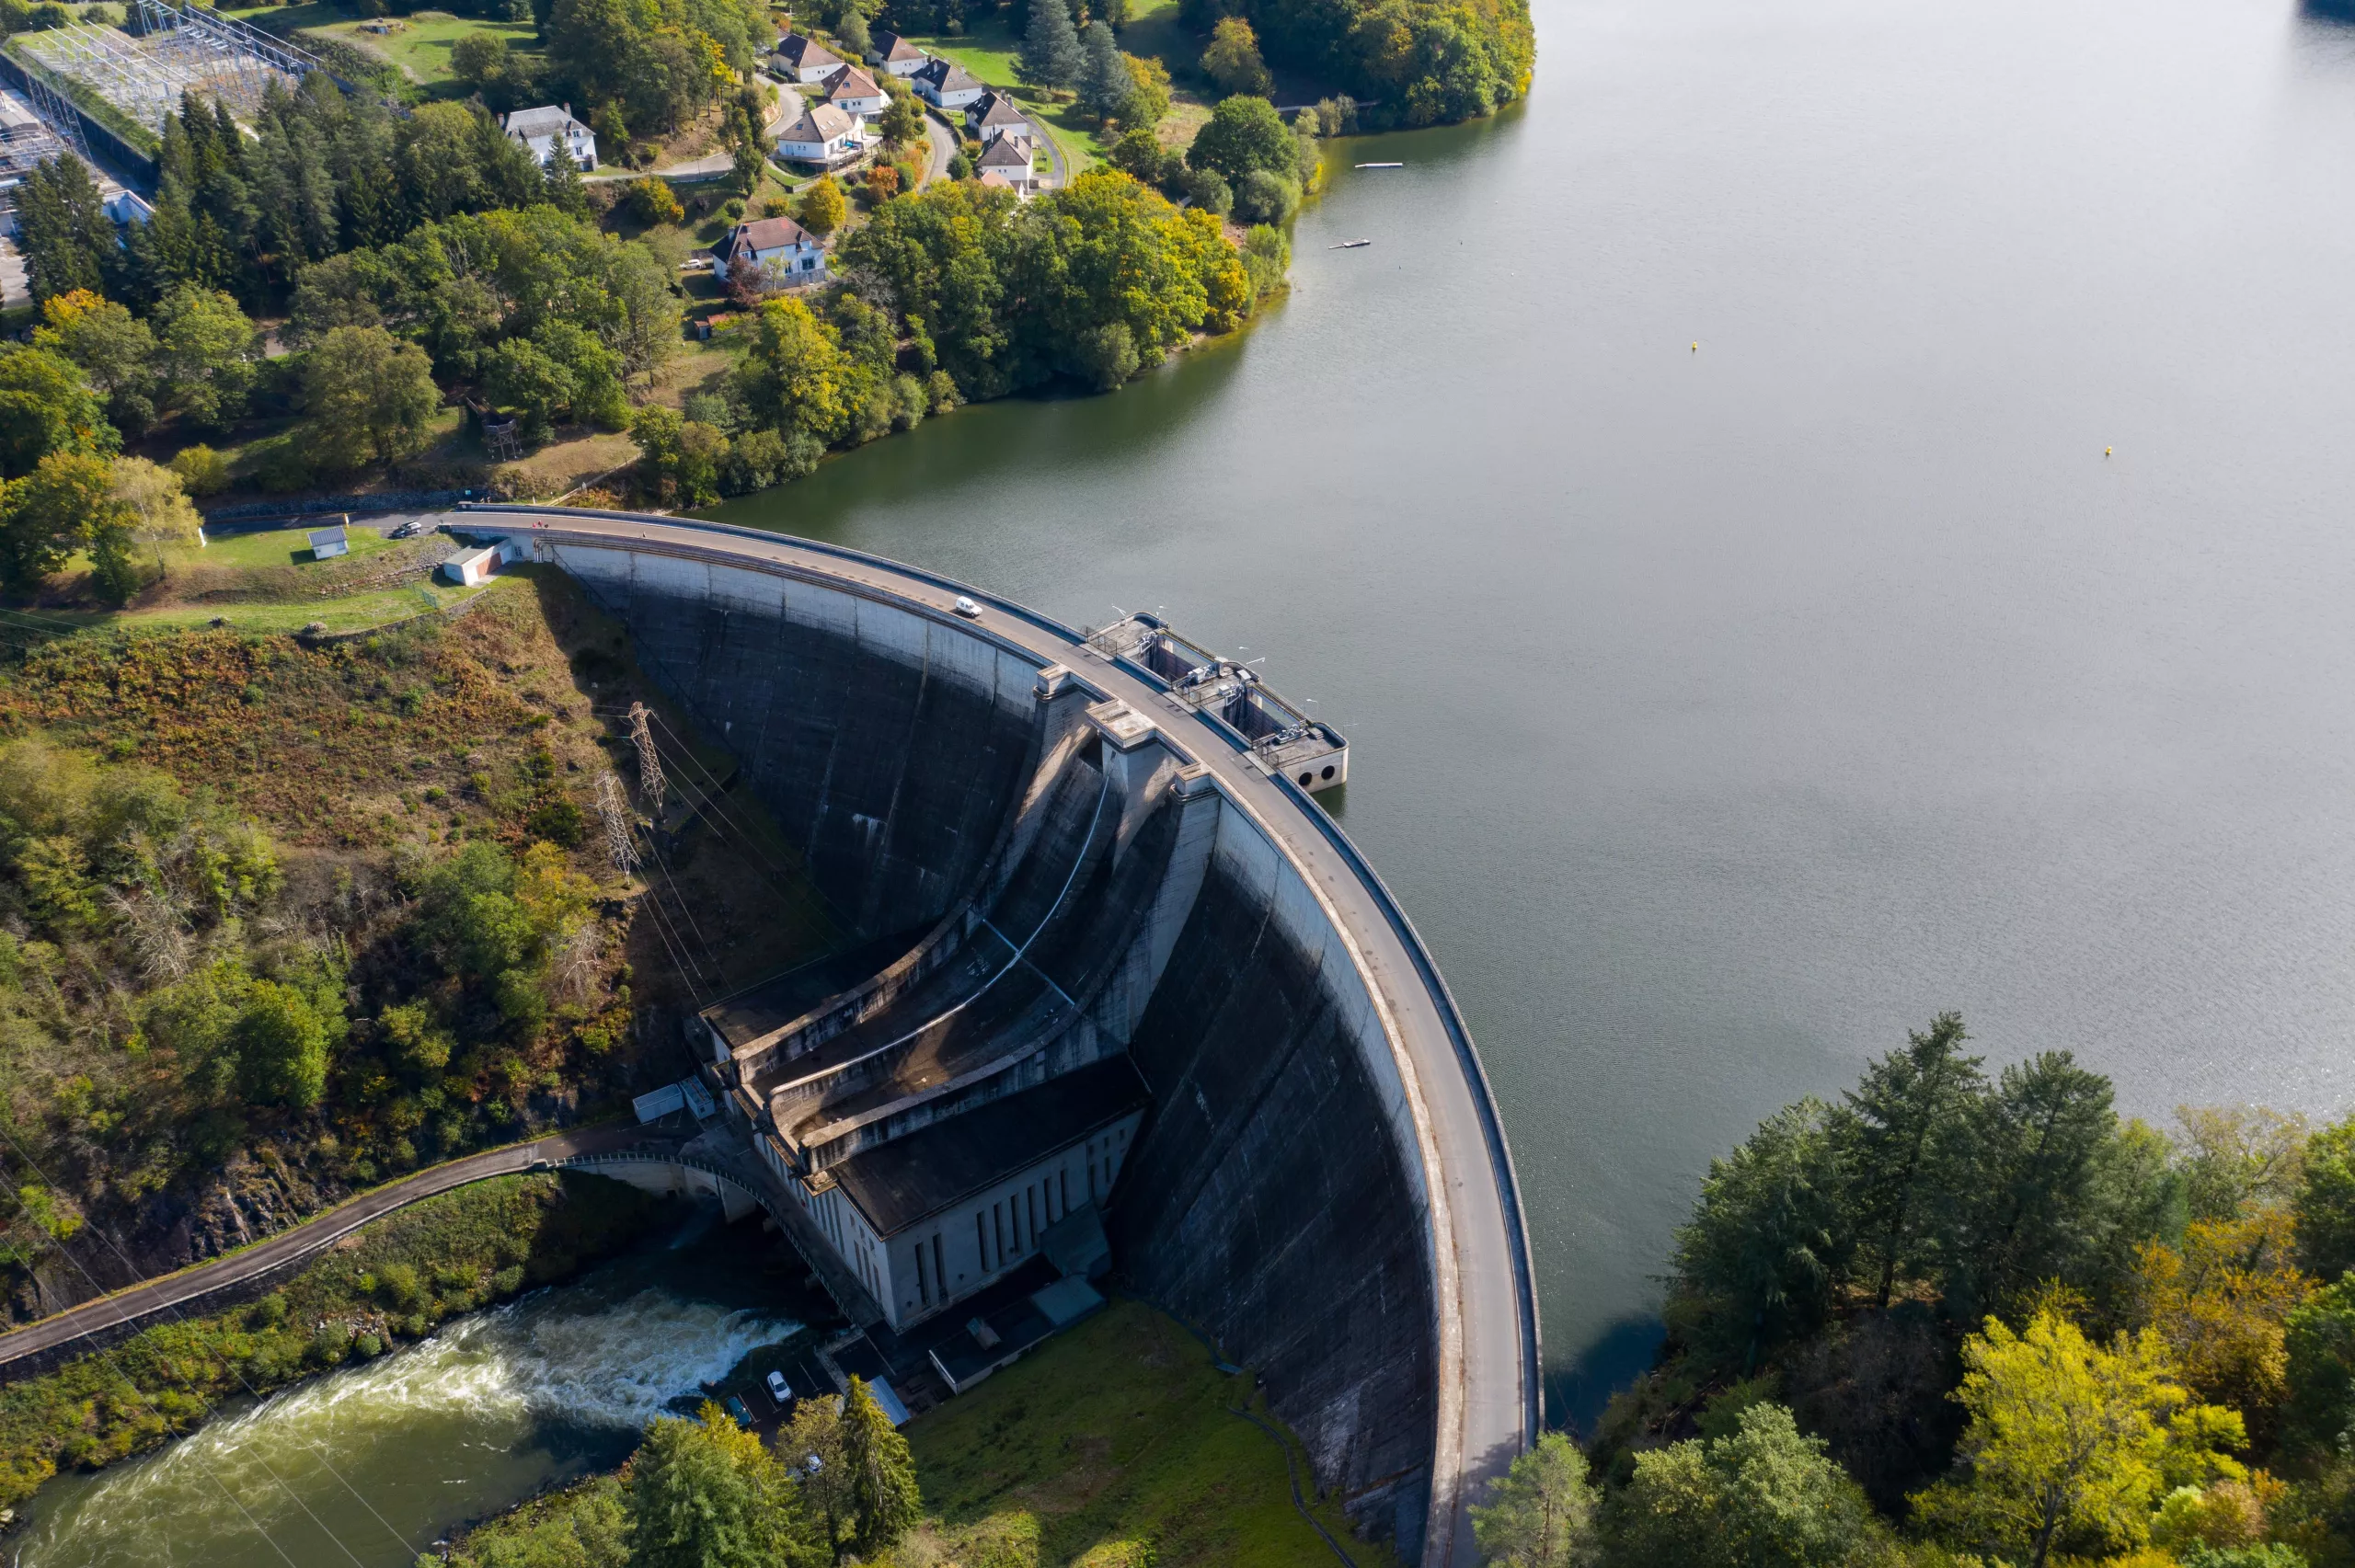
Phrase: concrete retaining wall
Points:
(1276, 1197)
(889, 747)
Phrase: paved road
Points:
(1486, 1334)
(944, 147)
(313, 1236)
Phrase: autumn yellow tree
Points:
(2068, 1442)
(160, 511)
(2222, 1302)
(822, 207)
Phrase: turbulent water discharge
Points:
(451, 1428)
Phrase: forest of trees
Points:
(1963, 1319)
(838, 1485)
(1407, 62)
(989, 295)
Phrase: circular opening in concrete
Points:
(1328, 770)
(1307, 778)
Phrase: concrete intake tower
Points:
(1112, 961)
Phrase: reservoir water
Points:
(1720, 713)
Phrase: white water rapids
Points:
(370, 1464)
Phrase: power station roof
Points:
(913, 1177)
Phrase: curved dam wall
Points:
(1281, 1192)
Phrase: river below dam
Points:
(1720, 713)
(371, 1464)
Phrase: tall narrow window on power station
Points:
(980, 1242)
(939, 1268)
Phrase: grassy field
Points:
(419, 46)
(1116, 1435)
(277, 547)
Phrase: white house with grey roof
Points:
(772, 252)
(1010, 161)
(895, 54)
(544, 129)
(804, 60)
(823, 135)
(944, 83)
(993, 115)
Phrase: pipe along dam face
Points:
(1114, 974)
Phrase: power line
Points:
(173, 1308)
(141, 1395)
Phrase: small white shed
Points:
(478, 564)
(327, 542)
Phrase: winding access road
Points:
(138, 1303)
(1487, 1328)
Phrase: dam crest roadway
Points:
(1095, 895)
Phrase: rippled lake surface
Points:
(1719, 713)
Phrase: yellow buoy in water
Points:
(1696, 347)
(2105, 452)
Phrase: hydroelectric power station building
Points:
(1120, 983)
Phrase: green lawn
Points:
(350, 613)
(1116, 1435)
(421, 47)
(277, 547)
(990, 51)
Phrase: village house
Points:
(543, 129)
(825, 135)
(804, 60)
(770, 252)
(1010, 160)
(853, 92)
(944, 83)
(993, 115)
(896, 54)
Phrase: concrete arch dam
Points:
(1115, 962)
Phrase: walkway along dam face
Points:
(1113, 966)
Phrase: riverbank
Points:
(1117, 1444)
(391, 1281)
(373, 1463)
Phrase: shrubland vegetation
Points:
(281, 919)
(393, 1279)
(1963, 1319)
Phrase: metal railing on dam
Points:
(1277, 1001)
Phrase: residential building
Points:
(823, 135)
(1010, 160)
(896, 54)
(993, 115)
(804, 60)
(544, 129)
(944, 83)
(853, 92)
(775, 249)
